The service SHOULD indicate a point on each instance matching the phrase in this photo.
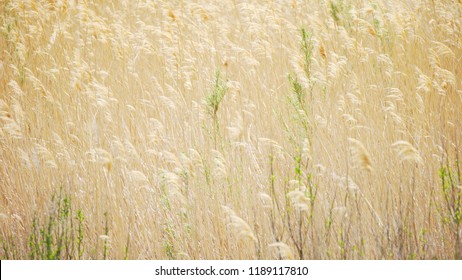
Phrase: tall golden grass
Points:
(232, 129)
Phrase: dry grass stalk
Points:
(360, 156)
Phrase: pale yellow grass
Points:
(108, 102)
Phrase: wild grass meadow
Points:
(230, 129)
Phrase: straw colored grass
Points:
(230, 129)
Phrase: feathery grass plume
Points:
(137, 178)
(3, 216)
(320, 121)
(420, 103)
(283, 250)
(118, 150)
(171, 159)
(306, 151)
(187, 165)
(266, 145)
(445, 77)
(349, 119)
(195, 157)
(171, 179)
(385, 60)
(298, 78)
(265, 200)
(341, 104)
(424, 86)
(341, 212)
(361, 157)
(393, 97)
(395, 94)
(344, 183)
(424, 83)
(18, 92)
(337, 65)
(173, 185)
(407, 152)
(240, 226)
(104, 237)
(106, 242)
(131, 150)
(102, 157)
(353, 98)
(25, 159)
(46, 156)
(10, 125)
(220, 170)
(433, 58)
(63, 152)
(183, 256)
(235, 130)
(443, 50)
(299, 198)
(364, 27)
(156, 131)
(167, 102)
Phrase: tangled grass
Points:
(230, 129)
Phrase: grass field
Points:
(230, 129)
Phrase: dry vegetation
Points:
(230, 129)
